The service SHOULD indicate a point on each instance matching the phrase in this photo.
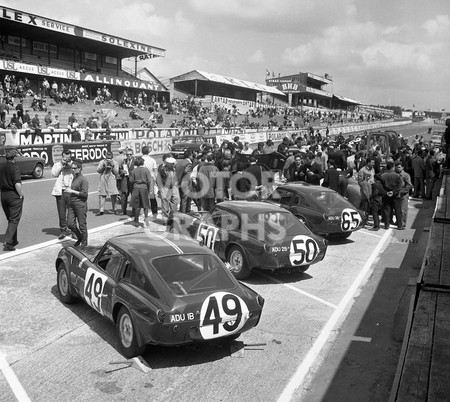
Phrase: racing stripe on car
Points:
(170, 243)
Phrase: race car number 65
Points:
(350, 219)
(222, 314)
(303, 250)
(94, 283)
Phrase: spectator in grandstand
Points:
(35, 123)
(45, 87)
(72, 119)
(19, 110)
(14, 122)
(76, 135)
(48, 119)
(56, 124)
(4, 108)
(108, 169)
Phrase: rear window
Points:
(188, 274)
(330, 199)
(277, 224)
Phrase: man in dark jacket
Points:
(392, 183)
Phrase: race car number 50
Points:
(303, 250)
(351, 219)
(94, 283)
(222, 314)
(207, 234)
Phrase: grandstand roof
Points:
(205, 76)
(28, 25)
(348, 100)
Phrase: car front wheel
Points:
(126, 332)
(38, 171)
(62, 280)
(239, 266)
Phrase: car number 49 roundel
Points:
(350, 219)
(222, 314)
(303, 250)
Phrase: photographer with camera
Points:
(107, 186)
(62, 170)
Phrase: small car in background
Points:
(28, 165)
(252, 234)
(183, 143)
(324, 211)
(158, 289)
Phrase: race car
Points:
(158, 290)
(252, 234)
(321, 209)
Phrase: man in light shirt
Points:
(151, 165)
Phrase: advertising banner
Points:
(157, 146)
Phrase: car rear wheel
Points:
(342, 236)
(62, 280)
(126, 332)
(239, 266)
(38, 171)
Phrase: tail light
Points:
(161, 316)
(260, 301)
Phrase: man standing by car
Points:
(62, 170)
(392, 183)
(11, 197)
(126, 187)
(404, 190)
(183, 169)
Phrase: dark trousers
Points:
(185, 201)
(389, 204)
(154, 205)
(12, 207)
(62, 205)
(78, 213)
(375, 206)
(208, 204)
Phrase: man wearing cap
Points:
(168, 186)
(404, 190)
(392, 183)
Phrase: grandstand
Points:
(41, 47)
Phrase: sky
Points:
(380, 52)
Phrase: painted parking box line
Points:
(299, 376)
(12, 380)
(309, 295)
(361, 339)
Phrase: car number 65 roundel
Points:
(350, 219)
(303, 250)
(222, 314)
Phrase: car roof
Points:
(149, 245)
(304, 187)
(249, 206)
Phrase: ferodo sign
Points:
(156, 145)
(88, 152)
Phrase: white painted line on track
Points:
(361, 339)
(298, 290)
(13, 381)
(37, 181)
(297, 379)
(370, 234)
(35, 247)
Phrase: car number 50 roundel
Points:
(222, 314)
(303, 250)
(350, 219)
